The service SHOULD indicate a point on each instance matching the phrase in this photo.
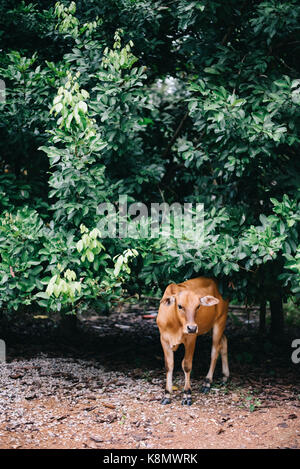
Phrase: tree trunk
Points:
(262, 317)
(277, 320)
(68, 324)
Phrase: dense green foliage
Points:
(162, 101)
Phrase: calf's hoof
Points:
(205, 387)
(186, 401)
(225, 381)
(165, 401)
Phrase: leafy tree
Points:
(77, 182)
(188, 101)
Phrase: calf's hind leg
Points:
(215, 350)
(224, 356)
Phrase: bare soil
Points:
(102, 388)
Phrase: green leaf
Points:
(90, 255)
(42, 295)
(118, 265)
(79, 245)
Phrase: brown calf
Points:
(187, 310)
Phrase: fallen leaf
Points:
(16, 376)
(109, 406)
(62, 417)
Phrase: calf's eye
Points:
(180, 307)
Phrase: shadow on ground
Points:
(126, 341)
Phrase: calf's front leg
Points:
(187, 362)
(169, 364)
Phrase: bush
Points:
(21, 238)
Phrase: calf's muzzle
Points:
(191, 329)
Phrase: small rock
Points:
(91, 445)
(31, 396)
(92, 397)
(282, 425)
(96, 438)
(139, 437)
(110, 418)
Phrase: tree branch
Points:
(175, 135)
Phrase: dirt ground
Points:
(103, 389)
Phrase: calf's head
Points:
(186, 303)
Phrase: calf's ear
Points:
(209, 300)
(167, 300)
(169, 295)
